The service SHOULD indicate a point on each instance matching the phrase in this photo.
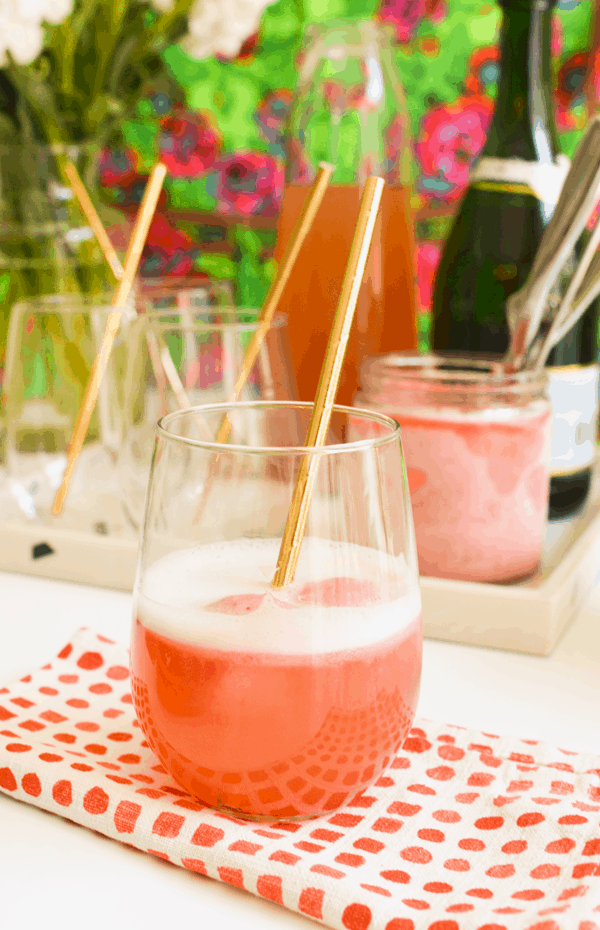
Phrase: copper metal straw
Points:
(122, 291)
(328, 383)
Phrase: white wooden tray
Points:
(526, 617)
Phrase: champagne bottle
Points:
(513, 189)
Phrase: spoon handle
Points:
(527, 307)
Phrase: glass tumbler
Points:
(477, 448)
(179, 357)
(275, 703)
(52, 343)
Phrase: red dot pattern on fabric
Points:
(446, 816)
(416, 854)
(547, 870)
(167, 824)
(7, 780)
(559, 847)
(457, 865)
(474, 845)
(126, 816)
(418, 831)
(270, 887)
(489, 823)
(100, 688)
(31, 785)
(62, 793)
(96, 801)
(311, 902)
(514, 847)
(356, 917)
(207, 836)
(90, 660)
(529, 820)
(396, 875)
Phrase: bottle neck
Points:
(523, 124)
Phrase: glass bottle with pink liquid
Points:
(477, 448)
(276, 703)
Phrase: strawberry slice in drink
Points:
(330, 592)
(339, 592)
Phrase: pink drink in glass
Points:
(274, 704)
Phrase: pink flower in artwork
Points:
(427, 258)
(117, 167)
(188, 144)
(594, 217)
(451, 137)
(483, 69)
(271, 114)
(130, 195)
(405, 15)
(249, 183)
(168, 250)
(556, 37)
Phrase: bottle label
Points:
(574, 396)
(515, 175)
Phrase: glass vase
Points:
(46, 246)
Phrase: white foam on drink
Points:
(177, 590)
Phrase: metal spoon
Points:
(529, 310)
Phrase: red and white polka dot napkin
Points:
(466, 831)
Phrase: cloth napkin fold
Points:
(465, 831)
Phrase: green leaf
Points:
(217, 265)
(4, 286)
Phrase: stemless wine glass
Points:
(52, 343)
(275, 703)
(188, 354)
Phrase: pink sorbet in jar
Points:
(477, 452)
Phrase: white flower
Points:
(222, 26)
(21, 31)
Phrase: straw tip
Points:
(326, 166)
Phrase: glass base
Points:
(266, 818)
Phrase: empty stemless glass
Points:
(52, 343)
(190, 355)
(275, 703)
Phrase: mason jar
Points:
(477, 451)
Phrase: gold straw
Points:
(292, 250)
(328, 383)
(89, 211)
(120, 296)
(299, 234)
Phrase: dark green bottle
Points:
(496, 233)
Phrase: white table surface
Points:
(55, 874)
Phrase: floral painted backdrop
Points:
(218, 126)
